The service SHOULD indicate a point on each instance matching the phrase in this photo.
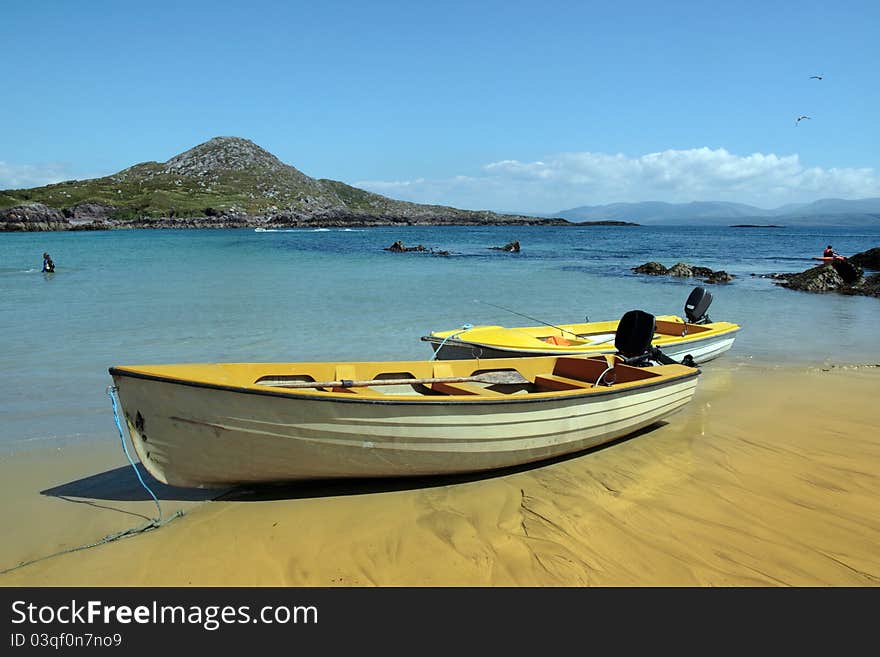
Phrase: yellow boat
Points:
(220, 424)
(695, 336)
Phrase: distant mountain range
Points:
(829, 211)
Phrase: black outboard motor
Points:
(696, 306)
(634, 334)
(633, 340)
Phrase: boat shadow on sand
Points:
(121, 485)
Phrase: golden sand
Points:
(770, 477)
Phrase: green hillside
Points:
(226, 176)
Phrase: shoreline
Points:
(768, 478)
(170, 223)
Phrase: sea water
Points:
(166, 296)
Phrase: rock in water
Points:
(869, 259)
(651, 268)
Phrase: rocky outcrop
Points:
(512, 247)
(869, 286)
(869, 259)
(682, 270)
(94, 216)
(32, 217)
(89, 213)
(398, 247)
(719, 277)
(652, 268)
(823, 278)
(840, 276)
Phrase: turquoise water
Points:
(128, 297)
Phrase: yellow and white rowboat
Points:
(220, 424)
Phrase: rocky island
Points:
(840, 276)
(226, 182)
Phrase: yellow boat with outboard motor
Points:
(694, 336)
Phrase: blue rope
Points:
(464, 327)
(110, 392)
(153, 523)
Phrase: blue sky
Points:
(517, 106)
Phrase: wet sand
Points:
(771, 477)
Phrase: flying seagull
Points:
(800, 118)
(815, 77)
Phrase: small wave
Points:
(13, 270)
(313, 230)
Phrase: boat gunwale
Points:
(456, 400)
(575, 350)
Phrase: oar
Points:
(488, 377)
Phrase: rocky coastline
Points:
(92, 216)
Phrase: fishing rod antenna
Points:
(534, 319)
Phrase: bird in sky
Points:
(815, 77)
(800, 118)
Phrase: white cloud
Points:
(22, 176)
(567, 180)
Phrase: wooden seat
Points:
(554, 382)
(464, 388)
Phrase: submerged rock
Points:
(720, 276)
(684, 270)
(512, 247)
(651, 269)
(398, 247)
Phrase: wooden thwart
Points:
(506, 376)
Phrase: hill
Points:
(225, 181)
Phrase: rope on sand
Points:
(152, 523)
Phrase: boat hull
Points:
(198, 435)
(700, 349)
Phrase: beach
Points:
(770, 477)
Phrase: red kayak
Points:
(829, 258)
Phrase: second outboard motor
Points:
(635, 331)
(696, 306)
